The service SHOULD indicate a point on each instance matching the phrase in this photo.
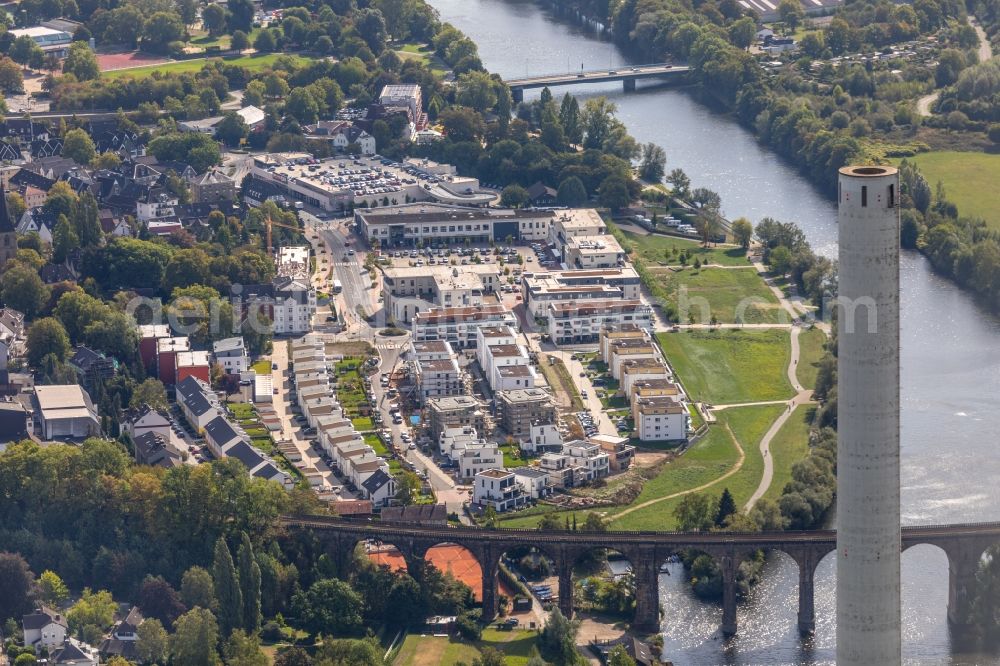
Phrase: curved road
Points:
(985, 52)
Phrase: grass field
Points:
(418, 650)
(262, 367)
(730, 365)
(254, 63)
(559, 379)
(424, 54)
(713, 456)
(969, 179)
(729, 295)
(789, 446)
(654, 248)
(810, 352)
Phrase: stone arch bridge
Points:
(964, 545)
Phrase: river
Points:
(950, 366)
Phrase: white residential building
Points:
(408, 290)
(45, 628)
(231, 354)
(504, 361)
(456, 439)
(289, 303)
(575, 223)
(659, 418)
(459, 325)
(477, 458)
(533, 480)
(589, 457)
(542, 438)
(581, 322)
(499, 489)
(540, 290)
(198, 403)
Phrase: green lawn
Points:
(730, 365)
(789, 446)
(420, 650)
(970, 181)
(749, 424)
(262, 367)
(713, 456)
(424, 54)
(252, 62)
(811, 351)
(654, 249)
(728, 295)
(362, 423)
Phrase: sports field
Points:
(447, 558)
(253, 63)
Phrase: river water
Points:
(950, 354)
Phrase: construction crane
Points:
(268, 223)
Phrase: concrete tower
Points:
(868, 530)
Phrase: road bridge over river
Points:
(964, 544)
(628, 75)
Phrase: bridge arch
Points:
(607, 580)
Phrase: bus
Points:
(337, 287)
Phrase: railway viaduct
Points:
(964, 545)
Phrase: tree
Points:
(17, 586)
(780, 259)
(159, 599)
(571, 193)
(994, 133)
(489, 657)
(25, 659)
(240, 41)
(227, 589)
(791, 13)
(151, 643)
(727, 508)
(613, 193)
(197, 588)
(150, 392)
(25, 51)
(81, 62)
(64, 240)
(47, 336)
(766, 514)
(91, 614)
(680, 182)
(695, 512)
(241, 15)
(51, 588)
(404, 602)
(370, 25)
(196, 634)
(11, 78)
(161, 29)
(329, 607)
(742, 231)
(619, 657)
(85, 221)
(569, 118)
(214, 19)
(557, 641)
(477, 90)
(302, 106)
(249, 574)
(294, 656)
(78, 146)
(514, 196)
(742, 32)
(243, 649)
(265, 41)
(407, 488)
(549, 523)
(594, 523)
(22, 289)
(462, 124)
(654, 161)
